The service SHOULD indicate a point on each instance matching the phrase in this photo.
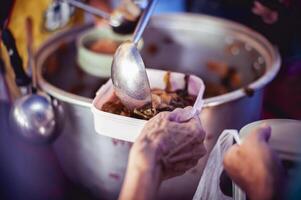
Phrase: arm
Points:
(142, 178)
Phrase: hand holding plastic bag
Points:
(254, 166)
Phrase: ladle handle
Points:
(88, 9)
(143, 21)
(29, 44)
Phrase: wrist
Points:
(148, 174)
(141, 181)
(261, 190)
(144, 163)
(269, 187)
(145, 157)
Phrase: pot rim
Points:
(265, 48)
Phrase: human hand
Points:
(127, 8)
(104, 5)
(267, 15)
(254, 166)
(166, 144)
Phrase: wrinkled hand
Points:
(254, 166)
(172, 146)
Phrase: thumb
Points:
(264, 132)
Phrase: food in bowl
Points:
(228, 77)
(167, 99)
(103, 46)
(95, 50)
(162, 100)
(125, 127)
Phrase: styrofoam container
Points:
(285, 138)
(128, 128)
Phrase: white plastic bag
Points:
(209, 187)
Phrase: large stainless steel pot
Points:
(179, 42)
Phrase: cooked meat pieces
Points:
(162, 101)
(229, 79)
(104, 46)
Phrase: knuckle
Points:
(229, 157)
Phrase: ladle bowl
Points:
(129, 76)
(33, 115)
(34, 118)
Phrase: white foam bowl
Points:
(285, 137)
(94, 63)
(128, 128)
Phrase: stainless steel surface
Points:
(128, 71)
(183, 43)
(33, 116)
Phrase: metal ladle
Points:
(35, 116)
(128, 71)
(116, 19)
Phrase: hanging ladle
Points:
(116, 20)
(35, 116)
